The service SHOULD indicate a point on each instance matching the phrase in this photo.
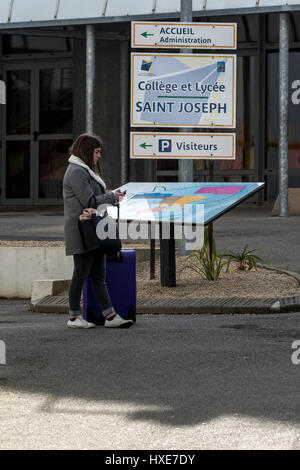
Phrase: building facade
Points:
(43, 57)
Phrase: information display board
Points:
(153, 201)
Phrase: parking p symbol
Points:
(165, 145)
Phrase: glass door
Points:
(17, 123)
(53, 133)
(37, 128)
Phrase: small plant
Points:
(207, 265)
(246, 259)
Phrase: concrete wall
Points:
(19, 266)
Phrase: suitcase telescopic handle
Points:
(118, 209)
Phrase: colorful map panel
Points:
(179, 201)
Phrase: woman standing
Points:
(83, 191)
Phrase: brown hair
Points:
(84, 147)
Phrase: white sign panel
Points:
(183, 90)
(179, 35)
(183, 145)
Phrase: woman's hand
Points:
(119, 194)
(87, 214)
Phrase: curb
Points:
(220, 306)
(283, 271)
(284, 304)
(55, 303)
(216, 306)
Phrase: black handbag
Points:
(110, 246)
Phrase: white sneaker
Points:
(80, 322)
(118, 322)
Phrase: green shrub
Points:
(207, 265)
(246, 259)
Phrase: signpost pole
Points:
(210, 225)
(124, 110)
(211, 171)
(185, 173)
(283, 113)
(185, 167)
(90, 76)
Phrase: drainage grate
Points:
(60, 304)
(51, 304)
(205, 305)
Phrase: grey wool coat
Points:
(80, 191)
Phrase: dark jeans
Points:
(92, 263)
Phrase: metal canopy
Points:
(29, 13)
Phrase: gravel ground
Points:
(31, 243)
(235, 283)
(24, 243)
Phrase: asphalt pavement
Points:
(169, 382)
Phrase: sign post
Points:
(186, 167)
(184, 91)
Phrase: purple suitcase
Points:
(121, 285)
